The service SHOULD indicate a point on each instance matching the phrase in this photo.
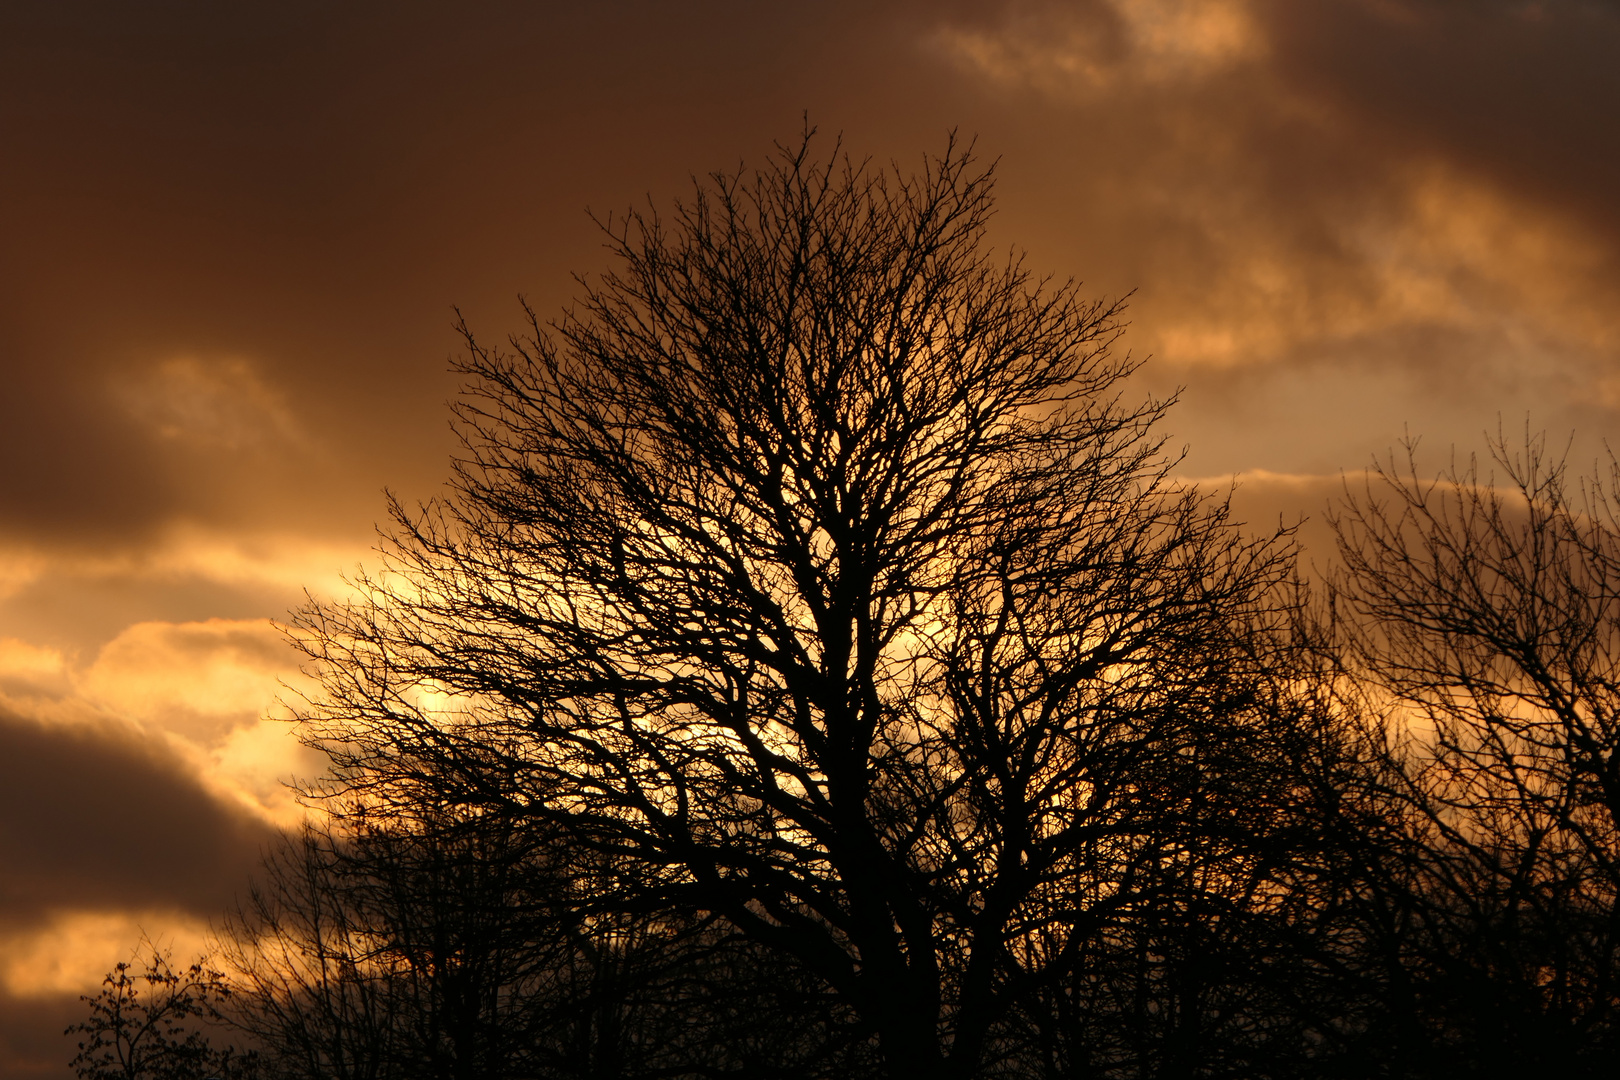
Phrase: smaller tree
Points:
(438, 945)
(152, 1025)
(1486, 610)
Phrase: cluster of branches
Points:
(816, 671)
(1483, 614)
(470, 946)
(154, 1024)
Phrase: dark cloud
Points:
(1524, 91)
(307, 189)
(32, 1043)
(297, 192)
(96, 819)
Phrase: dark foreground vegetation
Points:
(815, 671)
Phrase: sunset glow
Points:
(239, 234)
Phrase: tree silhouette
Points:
(816, 671)
(466, 945)
(1489, 615)
(814, 574)
(152, 1025)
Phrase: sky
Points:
(235, 237)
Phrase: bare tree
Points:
(813, 570)
(312, 975)
(1487, 609)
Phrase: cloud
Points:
(137, 792)
(1270, 213)
(1344, 227)
(1263, 501)
(1521, 90)
(216, 404)
(212, 688)
(72, 950)
(97, 818)
(1426, 248)
(80, 596)
(201, 695)
(32, 1044)
(200, 679)
(1094, 47)
(281, 561)
(32, 670)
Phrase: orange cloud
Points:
(75, 949)
(199, 679)
(219, 403)
(1088, 49)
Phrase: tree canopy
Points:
(814, 566)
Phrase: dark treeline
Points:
(816, 671)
